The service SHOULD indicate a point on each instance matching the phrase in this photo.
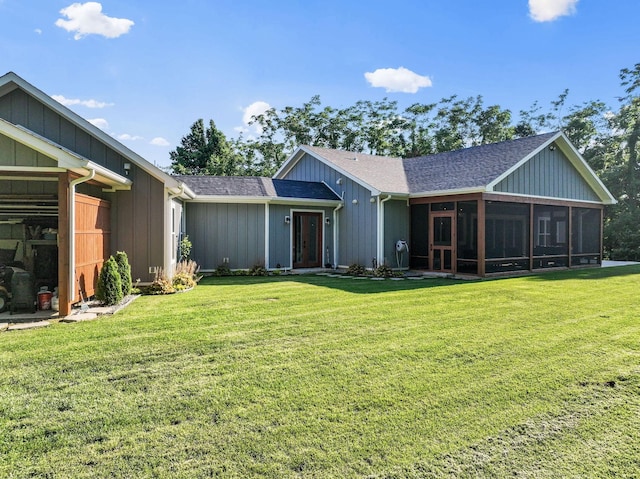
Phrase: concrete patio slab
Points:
(79, 317)
(21, 326)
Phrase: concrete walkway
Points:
(40, 319)
(610, 264)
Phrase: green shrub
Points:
(258, 270)
(109, 289)
(186, 275)
(160, 285)
(383, 271)
(124, 268)
(185, 248)
(223, 270)
(356, 270)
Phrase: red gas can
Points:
(44, 300)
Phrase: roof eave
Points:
(451, 192)
(77, 120)
(262, 200)
(66, 159)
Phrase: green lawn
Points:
(324, 377)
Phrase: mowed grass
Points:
(327, 378)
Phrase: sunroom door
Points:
(442, 241)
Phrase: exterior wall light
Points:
(127, 168)
(354, 201)
(287, 219)
(327, 221)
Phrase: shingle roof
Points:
(384, 173)
(257, 186)
(473, 167)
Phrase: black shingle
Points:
(256, 186)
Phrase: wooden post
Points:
(532, 236)
(570, 234)
(482, 241)
(64, 294)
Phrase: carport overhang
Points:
(71, 170)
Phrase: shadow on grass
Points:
(368, 286)
(350, 285)
(587, 273)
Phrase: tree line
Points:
(607, 137)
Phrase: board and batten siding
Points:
(137, 224)
(226, 230)
(13, 153)
(21, 109)
(357, 222)
(548, 174)
(396, 227)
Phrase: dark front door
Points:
(307, 240)
(441, 241)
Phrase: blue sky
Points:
(144, 70)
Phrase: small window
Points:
(544, 231)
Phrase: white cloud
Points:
(38, 31)
(159, 141)
(397, 80)
(255, 109)
(87, 19)
(75, 101)
(128, 137)
(100, 123)
(550, 10)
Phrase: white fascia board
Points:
(304, 201)
(460, 191)
(298, 154)
(31, 169)
(586, 171)
(263, 200)
(67, 160)
(552, 198)
(108, 176)
(83, 124)
(182, 191)
(229, 199)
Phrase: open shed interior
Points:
(29, 229)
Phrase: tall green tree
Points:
(622, 171)
(205, 151)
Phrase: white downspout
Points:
(72, 226)
(266, 236)
(380, 258)
(335, 231)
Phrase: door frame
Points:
(443, 214)
(321, 234)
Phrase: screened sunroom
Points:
(485, 235)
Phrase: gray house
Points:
(515, 206)
(71, 195)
